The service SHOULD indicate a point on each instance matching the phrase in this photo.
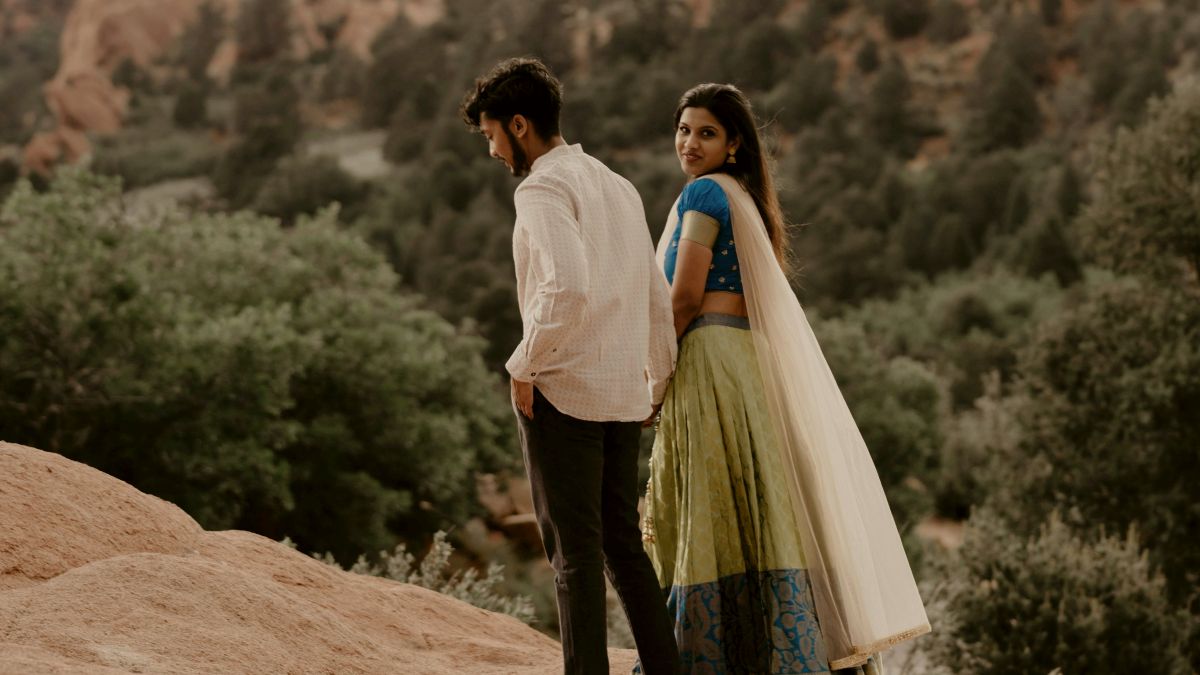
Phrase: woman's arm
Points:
(692, 262)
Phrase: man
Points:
(597, 351)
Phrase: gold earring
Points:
(731, 159)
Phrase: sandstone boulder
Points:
(97, 577)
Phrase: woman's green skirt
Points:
(719, 524)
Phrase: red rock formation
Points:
(100, 34)
(97, 577)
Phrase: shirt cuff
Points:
(519, 367)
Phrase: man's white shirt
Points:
(599, 337)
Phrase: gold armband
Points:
(700, 228)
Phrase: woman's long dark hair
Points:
(732, 109)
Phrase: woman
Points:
(765, 519)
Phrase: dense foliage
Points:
(259, 378)
(1019, 604)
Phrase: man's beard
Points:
(520, 161)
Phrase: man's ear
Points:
(519, 125)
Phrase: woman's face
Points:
(701, 143)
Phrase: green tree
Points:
(806, 94)
(190, 110)
(200, 41)
(27, 61)
(905, 18)
(267, 120)
(888, 110)
(867, 57)
(1052, 602)
(1108, 434)
(265, 379)
(1051, 11)
(949, 22)
(899, 408)
(303, 186)
(1145, 218)
(1004, 110)
(263, 30)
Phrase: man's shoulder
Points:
(546, 181)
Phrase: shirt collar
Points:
(556, 153)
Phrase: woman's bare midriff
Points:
(723, 302)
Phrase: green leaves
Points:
(1146, 218)
(261, 378)
(1053, 599)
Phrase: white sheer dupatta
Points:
(866, 597)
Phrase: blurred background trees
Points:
(260, 378)
(996, 229)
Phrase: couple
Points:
(767, 545)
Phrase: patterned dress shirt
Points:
(599, 336)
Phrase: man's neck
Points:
(539, 147)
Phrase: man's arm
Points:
(560, 271)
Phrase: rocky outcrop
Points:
(101, 34)
(97, 577)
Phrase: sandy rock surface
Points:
(97, 577)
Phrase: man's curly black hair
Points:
(520, 86)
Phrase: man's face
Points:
(504, 145)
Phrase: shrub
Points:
(343, 77)
(200, 40)
(267, 119)
(145, 157)
(905, 18)
(759, 54)
(191, 106)
(263, 30)
(1143, 219)
(436, 574)
(1051, 11)
(968, 328)
(1052, 602)
(1107, 432)
(303, 186)
(804, 96)
(867, 57)
(887, 113)
(949, 22)
(898, 405)
(1004, 110)
(27, 60)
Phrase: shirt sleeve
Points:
(663, 348)
(560, 270)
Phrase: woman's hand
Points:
(653, 418)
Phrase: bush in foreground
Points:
(1053, 602)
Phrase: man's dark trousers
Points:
(584, 481)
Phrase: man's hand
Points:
(653, 417)
(522, 396)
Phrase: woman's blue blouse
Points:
(705, 196)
